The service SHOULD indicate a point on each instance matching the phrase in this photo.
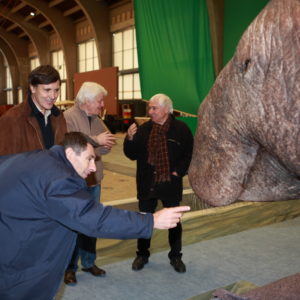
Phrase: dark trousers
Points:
(175, 234)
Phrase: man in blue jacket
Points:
(43, 203)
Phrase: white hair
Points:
(164, 100)
(88, 91)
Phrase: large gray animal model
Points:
(247, 142)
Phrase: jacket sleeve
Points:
(132, 149)
(129, 148)
(187, 143)
(73, 125)
(102, 149)
(8, 126)
(75, 209)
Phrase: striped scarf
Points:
(158, 151)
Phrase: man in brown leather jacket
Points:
(36, 123)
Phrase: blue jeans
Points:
(85, 246)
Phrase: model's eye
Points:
(246, 64)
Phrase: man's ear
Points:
(69, 154)
(32, 88)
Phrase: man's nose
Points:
(92, 166)
(53, 94)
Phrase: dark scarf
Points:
(158, 151)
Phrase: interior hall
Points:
(136, 49)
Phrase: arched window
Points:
(58, 62)
(125, 57)
(87, 56)
(8, 84)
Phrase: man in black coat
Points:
(43, 204)
(162, 148)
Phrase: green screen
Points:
(238, 14)
(174, 50)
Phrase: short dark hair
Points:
(43, 74)
(78, 141)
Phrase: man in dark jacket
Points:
(43, 203)
(162, 148)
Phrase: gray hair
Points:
(164, 100)
(88, 91)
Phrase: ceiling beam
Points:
(44, 24)
(11, 27)
(18, 7)
(29, 17)
(71, 11)
(55, 2)
(22, 34)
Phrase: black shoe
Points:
(70, 277)
(139, 262)
(178, 265)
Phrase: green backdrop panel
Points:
(174, 50)
(191, 122)
(237, 17)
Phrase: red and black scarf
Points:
(158, 151)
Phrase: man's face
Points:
(157, 113)
(84, 163)
(45, 95)
(94, 107)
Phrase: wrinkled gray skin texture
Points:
(247, 143)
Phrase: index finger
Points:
(181, 208)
